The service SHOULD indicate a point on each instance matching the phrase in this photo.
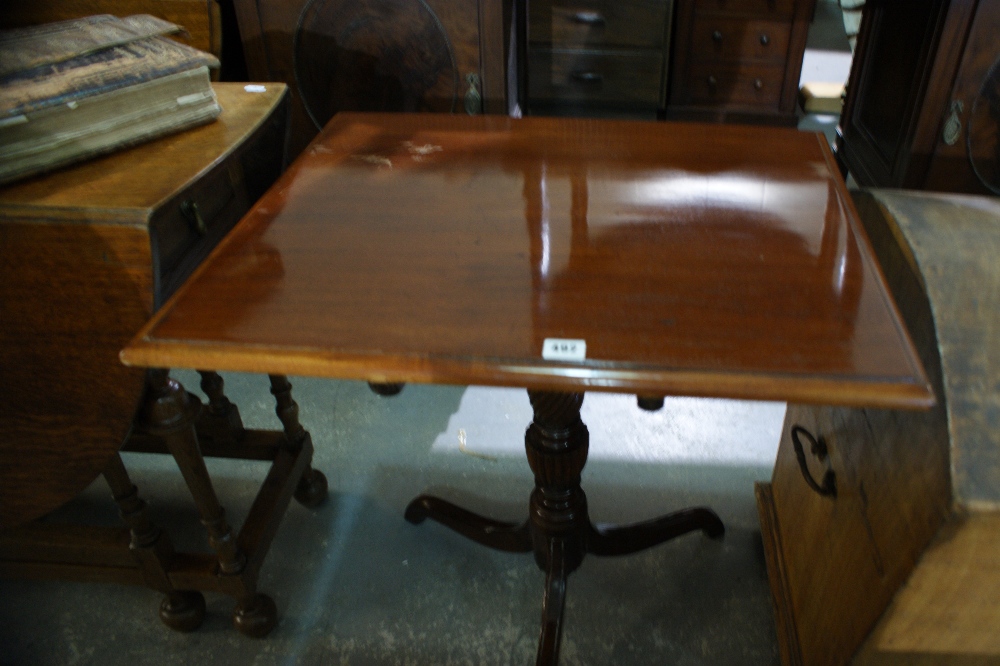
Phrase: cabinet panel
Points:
(727, 38)
(739, 85)
(613, 78)
(599, 23)
(784, 8)
(738, 59)
(917, 73)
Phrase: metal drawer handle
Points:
(818, 448)
(712, 82)
(758, 84)
(190, 210)
(717, 36)
(587, 77)
(589, 18)
(764, 40)
(473, 98)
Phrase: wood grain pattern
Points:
(947, 611)
(446, 249)
(80, 272)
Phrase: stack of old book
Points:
(76, 89)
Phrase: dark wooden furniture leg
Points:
(311, 490)
(181, 610)
(558, 529)
(173, 417)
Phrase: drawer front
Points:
(728, 38)
(192, 218)
(760, 8)
(595, 24)
(625, 78)
(738, 85)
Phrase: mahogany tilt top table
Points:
(561, 256)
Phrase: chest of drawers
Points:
(738, 59)
(86, 254)
(597, 55)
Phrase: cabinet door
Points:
(375, 55)
(888, 83)
(967, 152)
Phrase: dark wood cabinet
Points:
(377, 55)
(597, 55)
(738, 60)
(712, 60)
(923, 98)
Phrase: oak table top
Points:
(703, 260)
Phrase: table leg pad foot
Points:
(312, 489)
(256, 616)
(183, 610)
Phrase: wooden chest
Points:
(738, 60)
(886, 520)
(86, 255)
(593, 55)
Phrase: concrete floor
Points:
(355, 584)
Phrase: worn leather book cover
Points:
(88, 86)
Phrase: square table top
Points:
(692, 259)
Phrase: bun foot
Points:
(256, 616)
(386, 390)
(312, 489)
(183, 610)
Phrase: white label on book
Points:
(563, 349)
(13, 120)
(255, 88)
(192, 98)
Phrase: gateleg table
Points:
(561, 256)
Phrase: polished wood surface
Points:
(692, 259)
(86, 255)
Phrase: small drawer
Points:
(595, 24)
(622, 78)
(193, 222)
(750, 86)
(725, 38)
(768, 8)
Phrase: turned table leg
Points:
(170, 414)
(558, 530)
(312, 487)
(181, 610)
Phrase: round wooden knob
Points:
(712, 81)
(717, 37)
